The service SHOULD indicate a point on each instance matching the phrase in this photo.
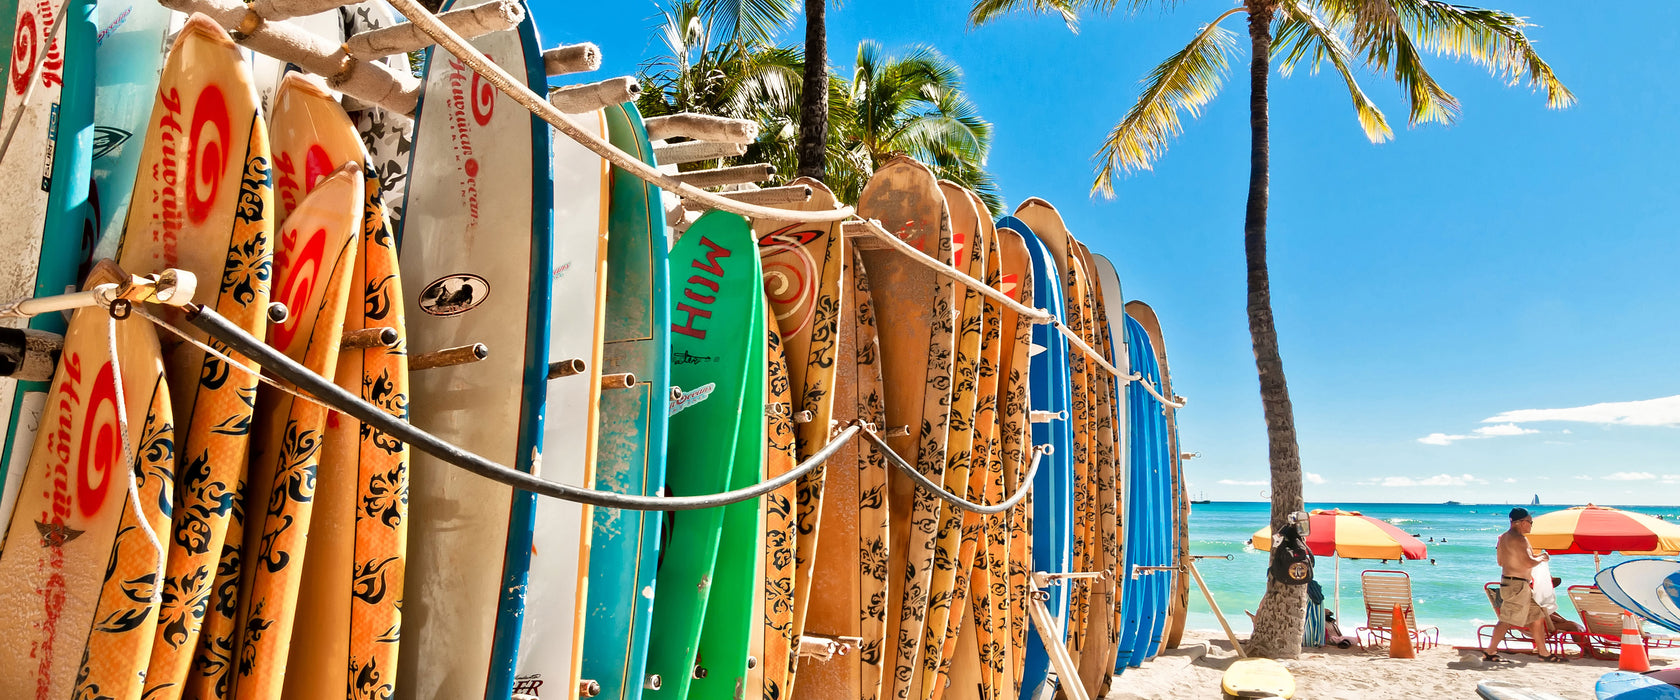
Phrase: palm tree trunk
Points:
(1277, 625)
(812, 148)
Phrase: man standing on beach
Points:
(1517, 607)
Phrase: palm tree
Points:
(1389, 38)
(717, 62)
(814, 109)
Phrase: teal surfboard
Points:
(717, 331)
(630, 456)
(131, 49)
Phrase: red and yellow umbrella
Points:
(1591, 529)
(1351, 535)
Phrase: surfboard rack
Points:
(171, 287)
(277, 312)
(731, 175)
(588, 97)
(701, 127)
(448, 357)
(588, 688)
(695, 151)
(955, 500)
(366, 338)
(565, 60)
(1046, 579)
(618, 381)
(822, 647)
(566, 368)
(1060, 660)
(653, 682)
(1046, 416)
(1141, 570)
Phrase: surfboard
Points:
(948, 588)
(624, 548)
(725, 653)
(1047, 225)
(802, 268)
(350, 594)
(132, 42)
(770, 640)
(83, 562)
(551, 642)
(312, 272)
(1168, 494)
(475, 245)
(1258, 678)
(1110, 455)
(1052, 497)
(204, 122)
(1015, 369)
(1112, 325)
(1670, 676)
(1097, 661)
(1148, 447)
(850, 593)
(44, 191)
(962, 671)
(917, 350)
(389, 136)
(1622, 685)
(1636, 585)
(716, 310)
(1504, 690)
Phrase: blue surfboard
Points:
(1148, 530)
(1622, 685)
(1052, 497)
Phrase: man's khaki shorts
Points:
(1516, 604)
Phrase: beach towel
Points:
(1544, 594)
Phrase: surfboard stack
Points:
(180, 525)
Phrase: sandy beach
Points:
(1194, 670)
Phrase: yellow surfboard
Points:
(351, 591)
(1016, 445)
(203, 203)
(86, 581)
(313, 269)
(917, 348)
(1097, 665)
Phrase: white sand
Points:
(1354, 674)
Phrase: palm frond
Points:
(1185, 82)
(1301, 32)
(751, 21)
(987, 10)
(1377, 32)
(1492, 38)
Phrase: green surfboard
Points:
(717, 331)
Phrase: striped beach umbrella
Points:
(1596, 530)
(1351, 535)
(1348, 534)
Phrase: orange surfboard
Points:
(348, 600)
(79, 579)
(1016, 445)
(203, 203)
(312, 277)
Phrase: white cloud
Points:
(1313, 478)
(1437, 480)
(1233, 482)
(1581, 477)
(1509, 480)
(1664, 411)
(1630, 476)
(1671, 478)
(1441, 439)
(1505, 430)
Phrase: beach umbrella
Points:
(1348, 534)
(1599, 530)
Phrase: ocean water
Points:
(1448, 592)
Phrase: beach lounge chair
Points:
(1383, 590)
(1602, 619)
(1554, 644)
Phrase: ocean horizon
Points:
(1446, 586)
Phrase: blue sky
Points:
(1447, 303)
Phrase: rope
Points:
(349, 404)
(29, 88)
(237, 365)
(958, 501)
(428, 24)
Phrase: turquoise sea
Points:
(1448, 593)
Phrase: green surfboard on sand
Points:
(717, 332)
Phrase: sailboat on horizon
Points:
(1536, 500)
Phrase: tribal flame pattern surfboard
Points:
(205, 206)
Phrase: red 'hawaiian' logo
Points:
(483, 100)
(209, 132)
(317, 165)
(25, 44)
(298, 267)
(101, 443)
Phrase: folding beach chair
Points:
(1554, 644)
(1383, 590)
(1601, 619)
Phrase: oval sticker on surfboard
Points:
(454, 294)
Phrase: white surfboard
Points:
(551, 640)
